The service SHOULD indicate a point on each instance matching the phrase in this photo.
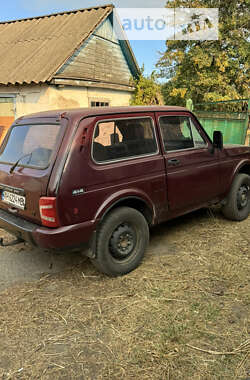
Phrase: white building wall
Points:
(36, 98)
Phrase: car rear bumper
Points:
(66, 237)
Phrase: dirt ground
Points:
(183, 314)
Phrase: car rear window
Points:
(32, 145)
(123, 138)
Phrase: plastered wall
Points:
(36, 98)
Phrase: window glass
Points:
(31, 144)
(199, 142)
(125, 138)
(99, 104)
(178, 132)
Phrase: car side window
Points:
(178, 133)
(199, 142)
(123, 138)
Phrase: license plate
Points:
(13, 199)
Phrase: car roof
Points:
(95, 111)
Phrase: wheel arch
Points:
(135, 201)
(244, 169)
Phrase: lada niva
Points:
(103, 176)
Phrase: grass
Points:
(183, 314)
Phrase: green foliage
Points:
(209, 70)
(147, 90)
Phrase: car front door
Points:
(192, 167)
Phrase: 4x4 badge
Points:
(78, 192)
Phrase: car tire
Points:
(238, 201)
(122, 239)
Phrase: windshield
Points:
(40, 140)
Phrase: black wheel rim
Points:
(122, 242)
(243, 197)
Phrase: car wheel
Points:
(121, 241)
(238, 202)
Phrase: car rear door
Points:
(27, 157)
(193, 170)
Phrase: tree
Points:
(209, 70)
(147, 90)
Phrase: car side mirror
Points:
(218, 140)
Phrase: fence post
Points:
(189, 104)
(247, 124)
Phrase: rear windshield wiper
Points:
(19, 159)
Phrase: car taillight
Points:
(47, 206)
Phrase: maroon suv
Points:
(104, 175)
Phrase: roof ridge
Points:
(110, 5)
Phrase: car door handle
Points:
(174, 162)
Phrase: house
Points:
(65, 60)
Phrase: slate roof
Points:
(32, 50)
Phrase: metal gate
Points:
(230, 117)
